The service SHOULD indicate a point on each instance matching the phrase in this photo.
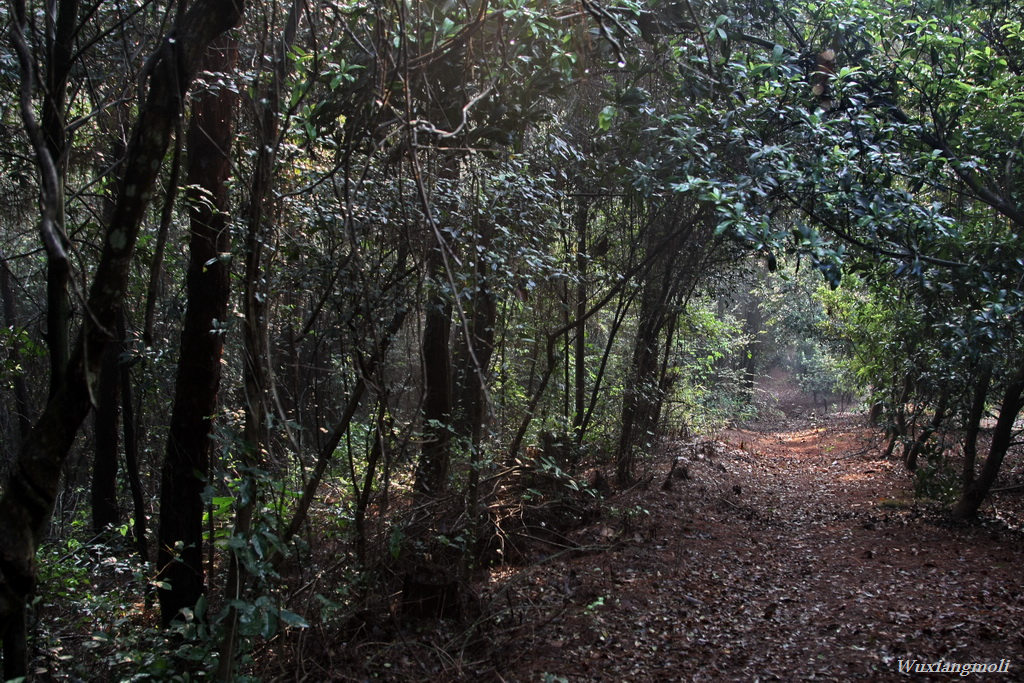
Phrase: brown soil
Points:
(791, 554)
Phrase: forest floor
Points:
(787, 550)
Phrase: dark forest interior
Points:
(508, 340)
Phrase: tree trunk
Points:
(639, 407)
(438, 397)
(186, 464)
(156, 264)
(473, 359)
(899, 425)
(973, 426)
(914, 449)
(638, 403)
(13, 633)
(59, 55)
(1002, 437)
(753, 322)
(671, 228)
(58, 320)
(666, 379)
(432, 469)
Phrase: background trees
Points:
(439, 251)
(926, 192)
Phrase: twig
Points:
(1015, 487)
(731, 504)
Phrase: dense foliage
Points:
(351, 291)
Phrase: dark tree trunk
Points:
(186, 464)
(914, 449)
(156, 264)
(30, 489)
(753, 322)
(438, 382)
(472, 360)
(640, 399)
(666, 379)
(974, 494)
(672, 227)
(13, 633)
(899, 425)
(58, 320)
(432, 469)
(105, 511)
(485, 312)
(973, 427)
(59, 55)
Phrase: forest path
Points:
(792, 553)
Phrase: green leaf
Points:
(200, 607)
(293, 619)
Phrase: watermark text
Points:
(914, 666)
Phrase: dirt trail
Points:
(794, 554)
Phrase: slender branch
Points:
(49, 175)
